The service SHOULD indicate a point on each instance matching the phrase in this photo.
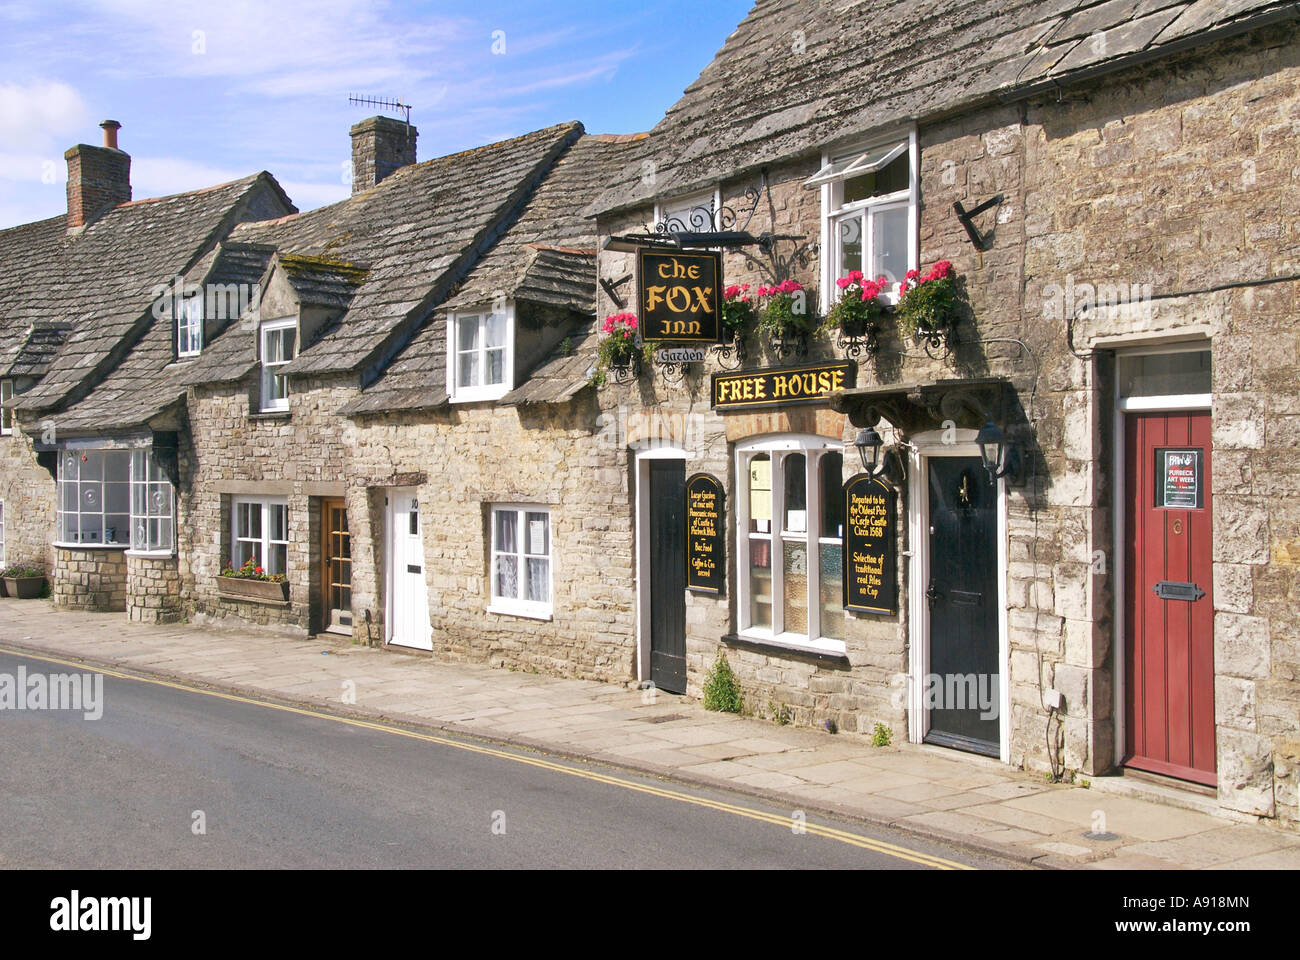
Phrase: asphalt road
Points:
(277, 788)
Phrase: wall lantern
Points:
(1001, 458)
(869, 446)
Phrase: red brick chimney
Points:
(98, 177)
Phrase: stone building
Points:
(1058, 526)
(88, 431)
(1114, 186)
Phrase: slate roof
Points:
(31, 353)
(873, 64)
(100, 282)
(547, 256)
(322, 281)
(566, 372)
(418, 232)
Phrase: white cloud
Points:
(39, 114)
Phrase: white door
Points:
(408, 608)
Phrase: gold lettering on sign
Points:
(779, 386)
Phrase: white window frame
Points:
(516, 606)
(146, 475)
(3, 564)
(711, 199)
(480, 391)
(813, 448)
(6, 414)
(831, 181)
(264, 543)
(72, 457)
(189, 320)
(270, 404)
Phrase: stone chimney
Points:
(380, 146)
(98, 177)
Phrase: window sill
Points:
(270, 415)
(485, 396)
(151, 554)
(508, 611)
(92, 546)
(825, 650)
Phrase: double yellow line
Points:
(749, 813)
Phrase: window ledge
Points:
(151, 554)
(508, 611)
(831, 651)
(271, 415)
(91, 546)
(487, 396)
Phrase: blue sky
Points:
(212, 91)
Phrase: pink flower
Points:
(744, 287)
(762, 291)
(842, 282)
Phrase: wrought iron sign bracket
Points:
(966, 216)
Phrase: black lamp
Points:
(1000, 457)
(869, 446)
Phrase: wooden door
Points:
(963, 690)
(1169, 607)
(667, 533)
(336, 567)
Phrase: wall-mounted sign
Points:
(680, 355)
(678, 296)
(778, 388)
(870, 546)
(706, 523)
(1178, 479)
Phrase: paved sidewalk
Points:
(935, 793)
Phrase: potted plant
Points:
(785, 317)
(738, 314)
(24, 583)
(927, 304)
(252, 582)
(618, 352)
(857, 312)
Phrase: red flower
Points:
(258, 571)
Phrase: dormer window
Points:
(480, 353)
(189, 328)
(692, 213)
(870, 204)
(279, 342)
(6, 415)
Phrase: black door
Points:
(963, 690)
(668, 575)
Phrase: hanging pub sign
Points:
(779, 388)
(706, 519)
(870, 546)
(679, 296)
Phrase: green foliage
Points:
(566, 347)
(738, 314)
(930, 304)
(785, 314)
(881, 736)
(831, 726)
(20, 572)
(721, 688)
(251, 570)
(779, 712)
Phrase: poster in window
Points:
(706, 521)
(870, 546)
(1178, 478)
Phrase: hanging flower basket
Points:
(858, 311)
(785, 318)
(618, 354)
(927, 305)
(738, 315)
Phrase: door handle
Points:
(932, 594)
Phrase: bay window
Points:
(521, 561)
(480, 354)
(116, 498)
(279, 338)
(260, 532)
(870, 203)
(790, 529)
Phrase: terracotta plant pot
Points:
(24, 588)
(267, 591)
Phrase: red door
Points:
(1169, 607)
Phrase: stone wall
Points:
(153, 589)
(90, 580)
(28, 492)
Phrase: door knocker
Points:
(1178, 527)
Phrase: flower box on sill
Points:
(258, 591)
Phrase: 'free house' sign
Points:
(679, 296)
(777, 388)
